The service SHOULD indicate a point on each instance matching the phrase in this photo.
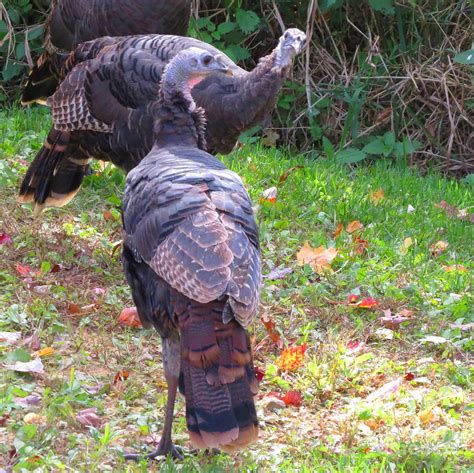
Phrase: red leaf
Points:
(367, 303)
(259, 373)
(23, 270)
(129, 317)
(353, 346)
(5, 239)
(292, 398)
(353, 298)
(409, 377)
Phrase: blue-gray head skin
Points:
(188, 68)
(290, 44)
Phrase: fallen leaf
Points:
(3, 421)
(269, 195)
(56, 268)
(451, 210)
(24, 270)
(93, 390)
(292, 398)
(277, 273)
(407, 243)
(73, 309)
(385, 390)
(289, 171)
(374, 424)
(353, 298)
(5, 239)
(410, 209)
(360, 246)
(121, 376)
(115, 247)
(439, 247)
(33, 366)
(339, 228)
(409, 377)
(384, 333)
(89, 417)
(354, 226)
(48, 351)
(367, 303)
(463, 327)
(129, 317)
(259, 373)
(108, 215)
(427, 416)
(353, 346)
(291, 358)
(33, 342)
(31, 400)
(318, 258)
(392, 321)
(271, 328)
(455, 267)
(9, 338)
(376, 197)
(33, 418)
(272, 401)
(270, 138)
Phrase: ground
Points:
(385, 383)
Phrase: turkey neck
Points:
(177, 119)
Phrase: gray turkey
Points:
(191, 257)
(71, 22)
(103, 107)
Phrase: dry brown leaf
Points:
(354, 226)
(270, 138)
(318, 258)
(439, 247)
(339, 229)
(377, 196)
(285, 175)
(129, 317)
(33, 418)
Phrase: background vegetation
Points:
(379, 77)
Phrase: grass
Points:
(425, 421)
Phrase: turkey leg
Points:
(171, 362)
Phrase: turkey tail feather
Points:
(218, 380)
(52, 178)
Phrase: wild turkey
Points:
(102, 108)
(191, 258)
(71, 22)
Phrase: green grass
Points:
(424, 425)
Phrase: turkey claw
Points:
(175, 452)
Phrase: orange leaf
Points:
(73, 308)
(354, 226)
(367, 303)
(129, 317)
(339, 229)
(108, 215)
(271, 328)
(426, 416)
(374, 424)
(285, 175)
(360, 245)
(376, 197)
(292, 358)
(439, 247)
(48, 351)
(455, 267)
(318, 258)
(292, 398)
(269, 195)
(121, 376)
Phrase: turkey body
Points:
(191, 257)
(71, 22)
(103, 109)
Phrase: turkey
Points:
(102, 109)
(191, 257)
(71, 22)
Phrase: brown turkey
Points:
(102, 109)
(71, 22)
(191, 257)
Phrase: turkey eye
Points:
(286, 35)
(207, 60)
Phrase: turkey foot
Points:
(164, 449)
